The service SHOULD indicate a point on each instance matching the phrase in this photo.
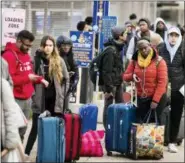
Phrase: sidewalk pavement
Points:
(168, 157)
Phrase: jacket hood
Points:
(117, 44)
(158, 20)
(135, 56)
(12, 46)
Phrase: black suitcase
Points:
(165, 120)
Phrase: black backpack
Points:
(96, 66)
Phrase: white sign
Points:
(13, 21)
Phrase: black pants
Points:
(117, 95)
(33, 134)
(177, 102)
(144, 107)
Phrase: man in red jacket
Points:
(21, 71)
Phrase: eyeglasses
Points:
(28, 45)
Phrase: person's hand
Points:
(108, 95)
(71, 73)
(153, 105)
(33, 77)
(136, 79)
(45, 82)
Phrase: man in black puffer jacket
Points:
(112, 69)
(64, 45)
(173, 53)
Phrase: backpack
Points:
(96, 66)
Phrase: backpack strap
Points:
(159, 58)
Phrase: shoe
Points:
(172, 148)
(26, 158)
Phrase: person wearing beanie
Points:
(160, 27)
(112, 68)
(173, 53)
(144, 30)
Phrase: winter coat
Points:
(38, 104)
(176, 68)
(112, 67)
(71, 66)
(4, 70)
(163, 33)
(20, 66)
(154, 77)
(133, 42)
(9, 131)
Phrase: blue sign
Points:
(83, 45)
(107, 23)
(100, 6)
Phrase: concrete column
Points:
(45, 17)
(28, 16)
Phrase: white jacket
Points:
(9, 131)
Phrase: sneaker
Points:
(172, 148)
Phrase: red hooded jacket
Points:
(20, 66)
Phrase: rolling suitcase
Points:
(119, 120)
(73, 136)
(51, 140)
(88, 114)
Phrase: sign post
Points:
(83, 49)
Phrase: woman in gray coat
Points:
(49, 64)
(9, 131)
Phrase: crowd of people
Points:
(150, 55)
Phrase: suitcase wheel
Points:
(109, 153)
(179, 142)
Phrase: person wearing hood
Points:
(146, 67)
(47, 62)
(21, 72)
(64, 45)
(144, 31)
(160, 27)
(112, 68)
(173, 53)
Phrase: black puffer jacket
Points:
(71, 66)
(176, 70)
(112, 67)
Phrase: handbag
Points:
(20, 117)
(147, 139)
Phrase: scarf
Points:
(144, 62)
(173, 49)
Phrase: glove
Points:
(45, 114)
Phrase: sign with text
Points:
(13, 21)
(107, 23)
(83, 47)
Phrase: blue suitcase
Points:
(51, 140)
(89, 115)
(118, 124)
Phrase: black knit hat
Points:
(145, 20)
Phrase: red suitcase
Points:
(73, 136)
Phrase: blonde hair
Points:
(55, 67)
